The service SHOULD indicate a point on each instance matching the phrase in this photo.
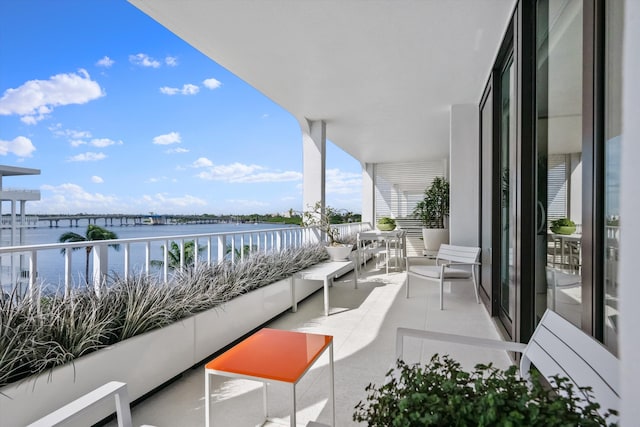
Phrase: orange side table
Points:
(272, 355)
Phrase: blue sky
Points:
(121, 115)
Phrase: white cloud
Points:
(89, 156)
(269, 177)
(167, 139)
(171, 61)
(35, 99)
(202, 162)
(73, 198)
(190, 89)
(105, 62)
(77, 142)
(339, 182)
(187, 89)
(241, 173)
(162, 202)
(177, 150)
(211, 84)
(144, 60)
(58, 131)
(104, 142)
(166, 90)
(20, 146)
(244, 203)
(96, 179)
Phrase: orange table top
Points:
(272, 354)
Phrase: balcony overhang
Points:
(381, 74)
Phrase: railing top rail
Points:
(26, 248)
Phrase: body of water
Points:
(51, 262)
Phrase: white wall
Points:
(630, 225)
(464, 175)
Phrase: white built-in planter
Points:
(146, 361)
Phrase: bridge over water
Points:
(110, 220)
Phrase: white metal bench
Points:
(447, 269)
(557, 347)
(325, 271)
(113, 389)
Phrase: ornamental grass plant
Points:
(441, 393)
(38, 335)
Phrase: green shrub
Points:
(441, 393)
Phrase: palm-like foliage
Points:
(173, 255)
(94, 232)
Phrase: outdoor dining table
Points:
(388, 240)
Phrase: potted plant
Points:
(386, 224)
(441, 393)
(563, 226)
(432, 211)
(337, 250)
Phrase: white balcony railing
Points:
(135, 255)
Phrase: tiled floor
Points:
(363, 323)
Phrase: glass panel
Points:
(559, 151)
(486, 118)
(613, 130)
(507, 138)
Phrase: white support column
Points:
(464, 175)
(368, 194)
(314, 153)
(630, 229)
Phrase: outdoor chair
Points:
(449, 261)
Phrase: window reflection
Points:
(559, 142)
(613, 129)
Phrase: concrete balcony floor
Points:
(363, 323)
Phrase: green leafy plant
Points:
(441, 393)
(562, 222)
(563, 226)
(386, 223)
(173, 255)
(94, 232)
(434, 207)
(324, 220)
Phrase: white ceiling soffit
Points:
(382, 74)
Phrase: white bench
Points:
(113, 389)
(447, 269)
(557, 347)
(325, 271)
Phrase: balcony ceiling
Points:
(382, 74)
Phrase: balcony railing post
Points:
(181, 254)
(165, 262)
(147, 258)
(67, 272)
(221, 247)
(127, 260)
(100, 266)
(33, 268)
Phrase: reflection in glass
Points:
(613, 130)
(559, 152)
(507, 129)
